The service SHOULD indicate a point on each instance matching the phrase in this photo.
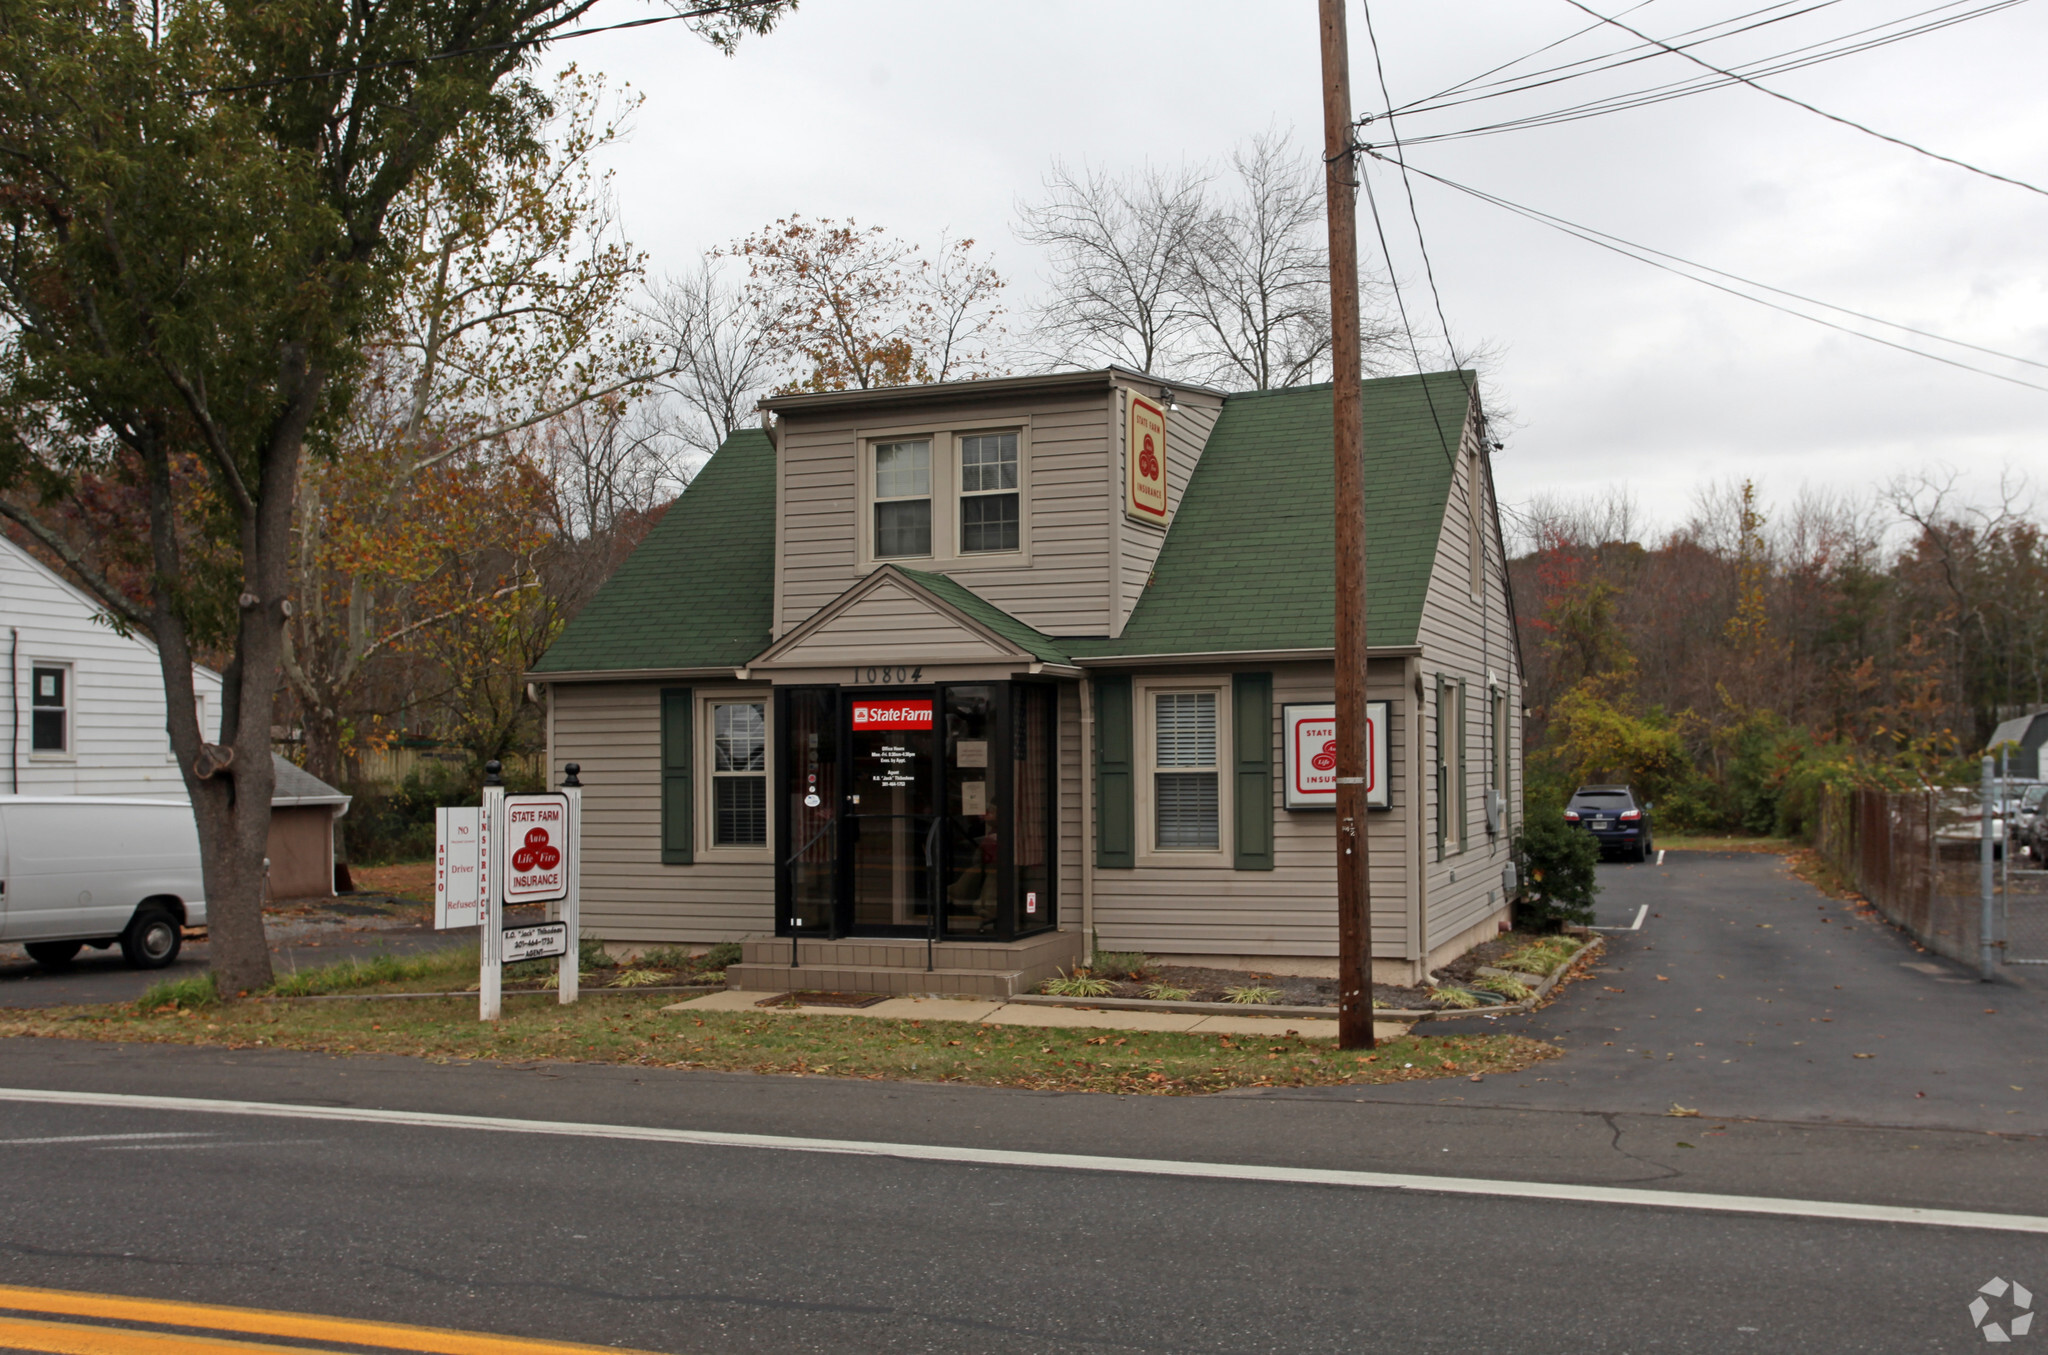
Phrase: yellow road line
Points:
(253, 1321)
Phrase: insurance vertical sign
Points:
(536, 848)
(1145, 462)
(1310, 756)
(458, 867)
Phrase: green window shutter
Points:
(1251, 742)
(1116, 782)
(678, 806)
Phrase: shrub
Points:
(1118, 964)
(184, 994)
(1514, 990)
(591, 954)
(1166, 992)
(641, 978)
(1452, 996)
(1557, 865)
(1541, 957)
(723, 954)
(384, 826)
(667, 957)
(1250, 993)
(1080, 983)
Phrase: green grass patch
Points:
(1542, 957)
(180, 994)
(1725, 842)
(438, 970)
(633, 1029)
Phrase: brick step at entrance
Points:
(897, 966)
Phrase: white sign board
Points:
(1309, 752)
(458, 867)
(535, 853)
(541, 942)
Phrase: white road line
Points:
(103, 1138)
(1636, 926)
(1660, 856)
(1135, 1166)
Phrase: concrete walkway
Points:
(988, 1012)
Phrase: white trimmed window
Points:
(739, 773)
(989, 505)
(1186, 775)
(903, 499)
(50, 708)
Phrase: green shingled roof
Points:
(699, 592)
(1037, 644)
(1248, 563)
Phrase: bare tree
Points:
(1119, 247)
(1255, 280)
(717, 345)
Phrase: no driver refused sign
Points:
(536, 848)
(892, 714)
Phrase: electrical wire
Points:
(1797, 58)
(1800, 103)
(1428, 270)
(514, 44)
(1645, 254)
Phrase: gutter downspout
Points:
(1088, 820)
(14, 710)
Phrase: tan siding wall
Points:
(1291, 909)
(1138, 545)
(1461, 640)
(1064, 590)
(892, 624)
(614, 731)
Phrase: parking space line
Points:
(1550, 1191)
(1636, 926)
(72, 1338)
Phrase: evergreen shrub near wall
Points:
(1557, 865)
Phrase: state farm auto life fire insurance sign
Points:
(1310, 761)
(536, 848)
(1145, 462)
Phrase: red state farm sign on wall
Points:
(536, 848)
(892, 715)
(1145, 460)
(1310, 756)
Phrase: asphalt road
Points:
(689, 1247)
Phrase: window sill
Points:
(1188, 860)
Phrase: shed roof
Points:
(296, 786)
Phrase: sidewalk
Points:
(988, 1012)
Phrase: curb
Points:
(509, 992)
(1527, 1004)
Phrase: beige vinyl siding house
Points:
(995, 711)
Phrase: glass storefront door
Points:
(917, 811)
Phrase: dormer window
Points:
(988, 493)
(903, 499)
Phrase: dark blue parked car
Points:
(1614, 816)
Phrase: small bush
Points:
(1514, 990)
(1080, 983)
(1118, 964)
(1541, 957)
(1557, 865)
(641, 978)
(1166, 992)
(1450, 995)
(1251, 993)
(723, 954)
(591, 954)
(184, 994)
(667, 957)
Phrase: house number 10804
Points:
(887, 674)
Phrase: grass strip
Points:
(633, 1029)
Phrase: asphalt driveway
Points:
(1747, 993)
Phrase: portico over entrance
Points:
(917, 769)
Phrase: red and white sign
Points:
(458, 867)
(1145, 458)
(536, 848)
(892, 715)
(1310, 756)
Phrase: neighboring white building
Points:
(85, 705)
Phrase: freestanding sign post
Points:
(491, 964)
(513, 849)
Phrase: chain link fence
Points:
(1915, 856)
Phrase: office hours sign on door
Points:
(1309, 753)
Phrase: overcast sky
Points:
(931, 116)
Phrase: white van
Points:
(91, 870)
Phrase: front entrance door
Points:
(915, 812)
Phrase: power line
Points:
(514, 44)
(1797, 103)
(1642, 254)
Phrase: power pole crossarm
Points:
(1354, 880)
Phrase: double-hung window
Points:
(989, 516)
(49, 708)
(739, 774)
(1186, 805)
(903, 499)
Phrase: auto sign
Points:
(537, 835)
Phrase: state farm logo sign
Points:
(892, 715)
(1309, 745)
(1146, 457)
(537, 833)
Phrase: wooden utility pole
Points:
(1354, 878)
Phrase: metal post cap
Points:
(491, 773)
(570, 771)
